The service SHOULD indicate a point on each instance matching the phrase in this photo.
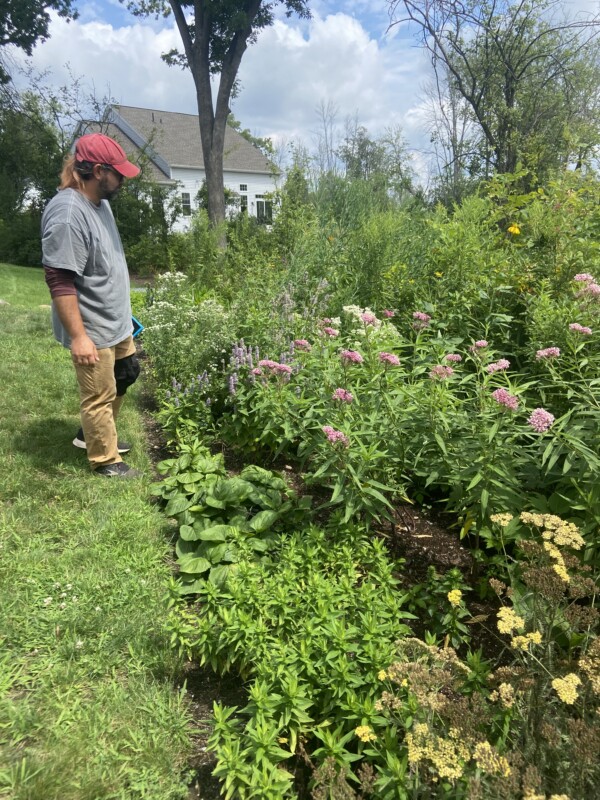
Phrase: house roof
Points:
(172, 139)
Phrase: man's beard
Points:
(105, 192)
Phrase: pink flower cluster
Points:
(498, 366)
(584, 277)
(478, 345)
(331, 332)
(440, 373)
(422, 320)
(335, 436)
(368, 318)
(548, 352)
(302, 344)
(591, 287)
(575, 326)
(274, 366)
(343, 395)
(505, 398)
(453, 357)
(351, 355)
(389, 358)
(540, 420)
(387, 313)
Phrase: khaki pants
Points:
(100, 405)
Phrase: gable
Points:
(173, 140)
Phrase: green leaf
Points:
(441, 443)
(216, 533)
(233, 491)
(188, 534)
(177, 504)
(218, 575)
(475, 481)
(263, 520)
(194, 565)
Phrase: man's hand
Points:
(83, 350)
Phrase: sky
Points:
(345, 56)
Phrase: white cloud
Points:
(284, 76)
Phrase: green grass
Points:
(88, 704)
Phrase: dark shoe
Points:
(79, 441)
(118, 470)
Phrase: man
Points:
(87, 276)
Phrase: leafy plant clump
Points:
(222, 520)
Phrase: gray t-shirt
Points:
(83, 237)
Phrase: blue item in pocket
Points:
(137, 327)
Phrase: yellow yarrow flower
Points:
(514, 229)
(508, 621)
(454, 597)
(365, 733)
(381, 675)
(523, 642)
(561, 572)
(488, 760)
(566, 688)
(501, 519)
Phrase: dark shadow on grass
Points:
(47, 444)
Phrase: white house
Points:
(171, 142)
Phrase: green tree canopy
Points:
(23, 23)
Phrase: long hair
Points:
(71, 176)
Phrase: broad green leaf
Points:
(263, 520)
(177, 504)
(233, 491)
(194, 565)
(218, 575)
(216, 533)
(188, 534)
(189, 477)
(213, 502)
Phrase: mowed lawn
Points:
(89, 707)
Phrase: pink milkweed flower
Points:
(302, 344)
(548, 352)
(387, 313)
(268, 363)
(575, 326)
(331, 332)
(343, 394)
(422, 320)
(335, 436)
(584, 277)
(326, 321)
(497, 366)
(389, 358)
(591, 288)
(478, 345)
(351, 355)
(504, 397)
(368, 318)
(540, 420)
(453, 357)
(257, 371)
(440, 372)
(284, 369)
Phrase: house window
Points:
(186, 204)
(244, 203)
(243, 187)
(264, 210)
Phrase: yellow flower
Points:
(508, 621)
(488, 760)
(438, 274)
(514, 229)
(454, 597)
(381, 675)
(501, 519)
(561, 572)
(566, 688)
(523, 642)
(365, 733)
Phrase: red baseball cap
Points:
(100, 149)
